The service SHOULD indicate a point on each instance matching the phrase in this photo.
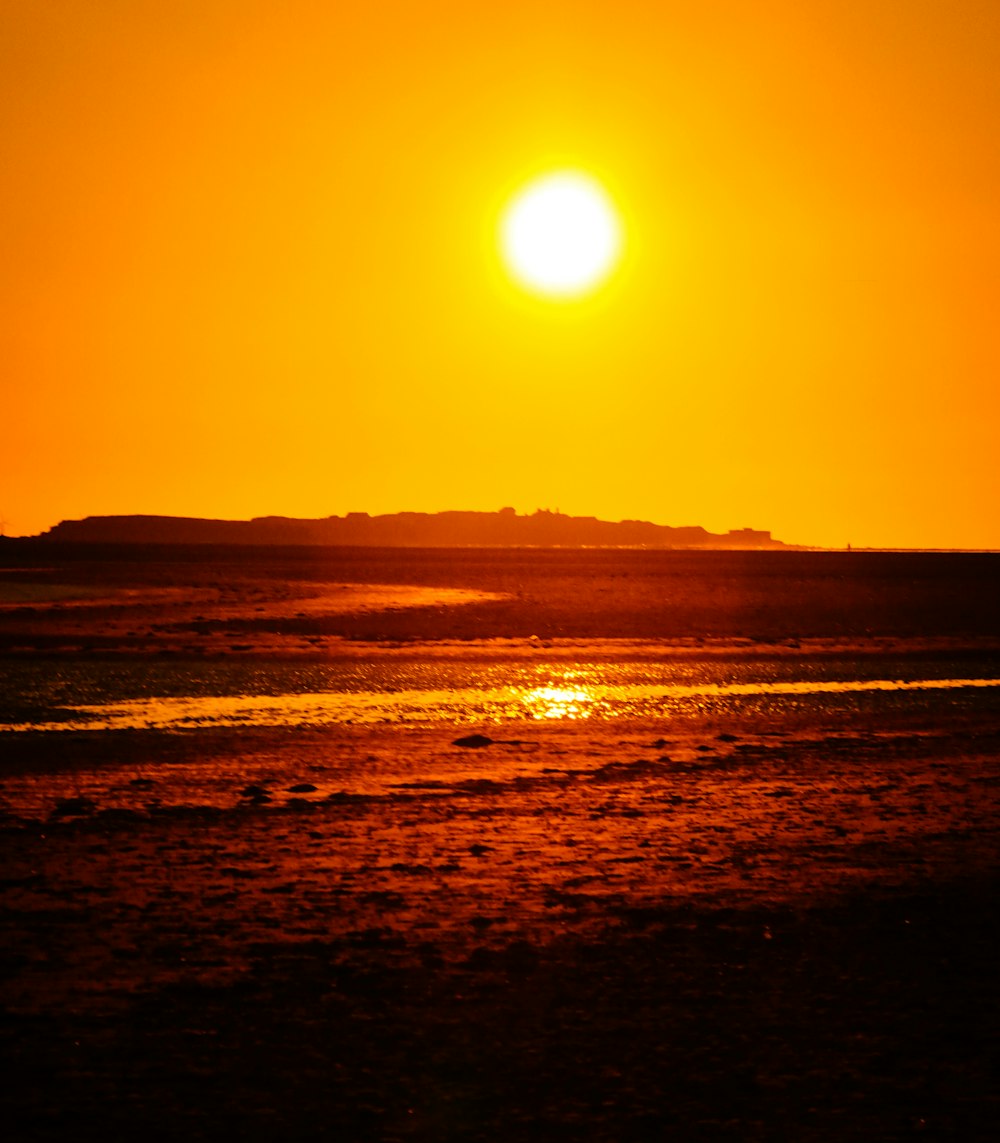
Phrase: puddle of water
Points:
(570, 700)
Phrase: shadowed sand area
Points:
(720, 912)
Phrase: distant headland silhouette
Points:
(505, 528)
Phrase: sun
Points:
(560, 235)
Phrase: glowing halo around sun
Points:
(560, 235)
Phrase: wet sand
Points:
(714, 926)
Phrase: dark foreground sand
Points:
(768, 938)
(697, 929)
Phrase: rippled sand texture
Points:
(560, 830)
(560, 887)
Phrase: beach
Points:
(500, 845)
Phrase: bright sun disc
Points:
(560, 235)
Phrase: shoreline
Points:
(758, 921)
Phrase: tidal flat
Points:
(499, 845)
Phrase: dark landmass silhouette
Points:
(504, 529)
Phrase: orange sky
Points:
(247, 263)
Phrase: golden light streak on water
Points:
(559, 702)
(457, 705)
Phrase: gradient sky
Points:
(247, 263)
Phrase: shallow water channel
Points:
(443, 687)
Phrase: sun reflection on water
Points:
(558, 702)
(551, 697)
